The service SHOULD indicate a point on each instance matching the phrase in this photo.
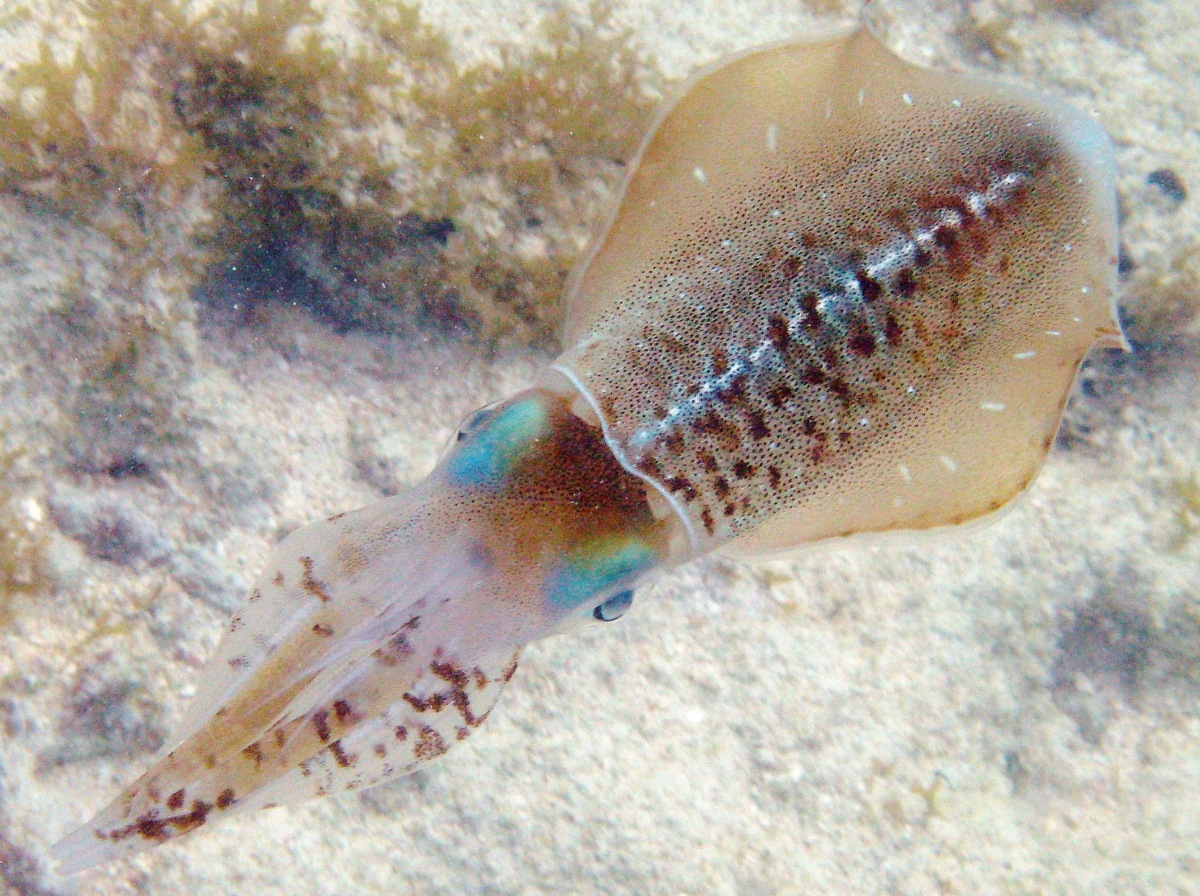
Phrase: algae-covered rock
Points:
(374, 180)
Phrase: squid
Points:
(840, 295)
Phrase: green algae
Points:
(365, 163)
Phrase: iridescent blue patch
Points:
(596, 569)
(487, 457)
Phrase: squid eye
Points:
(476, 420)
(615, 607)
(471, 424)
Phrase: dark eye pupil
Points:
(476, 420)
(615, 607)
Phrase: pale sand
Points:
(892, 720)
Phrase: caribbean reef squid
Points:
(840, 295)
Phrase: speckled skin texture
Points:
(847, 295)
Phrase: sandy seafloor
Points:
(1010, 711)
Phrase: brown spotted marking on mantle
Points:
(310, 584)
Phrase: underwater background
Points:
(258, 260)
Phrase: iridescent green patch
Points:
(596, 568)
(489, 454)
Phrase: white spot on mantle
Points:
(948, 462)
(699, 174)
